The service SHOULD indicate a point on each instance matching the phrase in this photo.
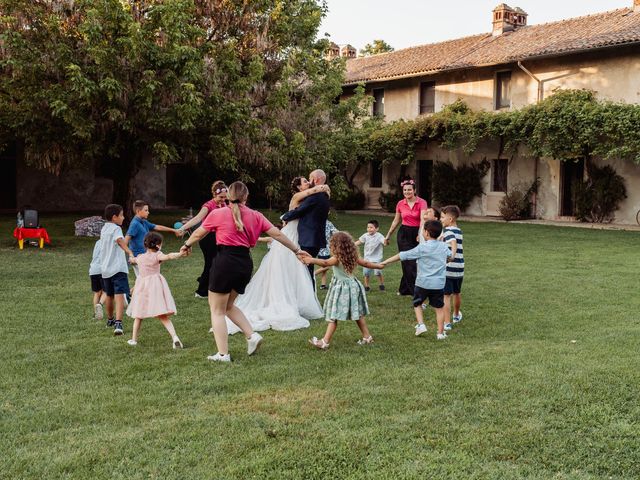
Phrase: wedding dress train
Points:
(280, 295)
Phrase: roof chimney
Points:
(348, 51)
(332, 52)
(506, 19)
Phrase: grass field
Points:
(539, 381)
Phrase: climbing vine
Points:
(568, 125)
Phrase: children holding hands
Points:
(432, 257)
(153, 297)
(139, 227)
(346, 298)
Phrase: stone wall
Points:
(79, 189)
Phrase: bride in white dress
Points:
(281, 294)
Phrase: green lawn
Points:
(540, 380)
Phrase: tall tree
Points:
(376, 47)
(242, 84)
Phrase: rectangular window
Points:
(378, 102)
(503, 90)
(500, 168)
(376, 174)
(427, 97)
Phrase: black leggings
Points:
(209, 250)
(408, 239)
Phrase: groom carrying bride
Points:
(312, 213)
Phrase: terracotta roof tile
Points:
(616, 27)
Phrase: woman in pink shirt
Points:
(208, 243)
(409, 213)
(237, 229)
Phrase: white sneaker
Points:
(197, 295)
(98, 313)
(457, 318)
(447, 326)
(219, 357)
(253, 343)
(177, 343)
(441, 336)
(420, 329)
(132, 342)
(211, 330)
(424, 306)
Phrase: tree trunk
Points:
(124, 172)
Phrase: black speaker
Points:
(31, 219)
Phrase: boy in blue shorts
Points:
(455, 269)
(139, 227)
(432, 257)
(113, 265)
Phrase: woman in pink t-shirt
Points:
(208, 243)
(237, 230)
(409, 213)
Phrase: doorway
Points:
(570, 173)
(425, 178)
(8, 179)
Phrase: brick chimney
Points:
(348, 51)
(332, 52)
(506, 19)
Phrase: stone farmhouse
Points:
(513, 65)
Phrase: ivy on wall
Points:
(568, 125)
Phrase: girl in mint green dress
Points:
(346, 298)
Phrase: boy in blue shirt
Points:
(432, 257)
(139, 227)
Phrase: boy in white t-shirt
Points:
(373, 242)
(113, 263)
(95, 274)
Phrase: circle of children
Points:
(429, 241)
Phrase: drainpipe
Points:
(534, 200)
(537, 80)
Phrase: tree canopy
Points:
(376, 47)
(244, 85)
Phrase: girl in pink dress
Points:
(152, 297)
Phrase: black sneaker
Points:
(117, 329)
(366, 289)
(323, 287)
(382, 287)
(110, 323)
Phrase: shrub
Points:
(389, 200)
(353, 200)
(516, 204)
(598, 197)
(458, 185)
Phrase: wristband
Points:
(185, 245)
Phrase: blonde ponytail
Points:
(238, 193)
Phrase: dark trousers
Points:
(209, 250)
(313, 251)
(408, 239)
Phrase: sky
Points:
(406, 23)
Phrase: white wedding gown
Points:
(280, 295)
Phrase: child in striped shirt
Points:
(455, 269)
